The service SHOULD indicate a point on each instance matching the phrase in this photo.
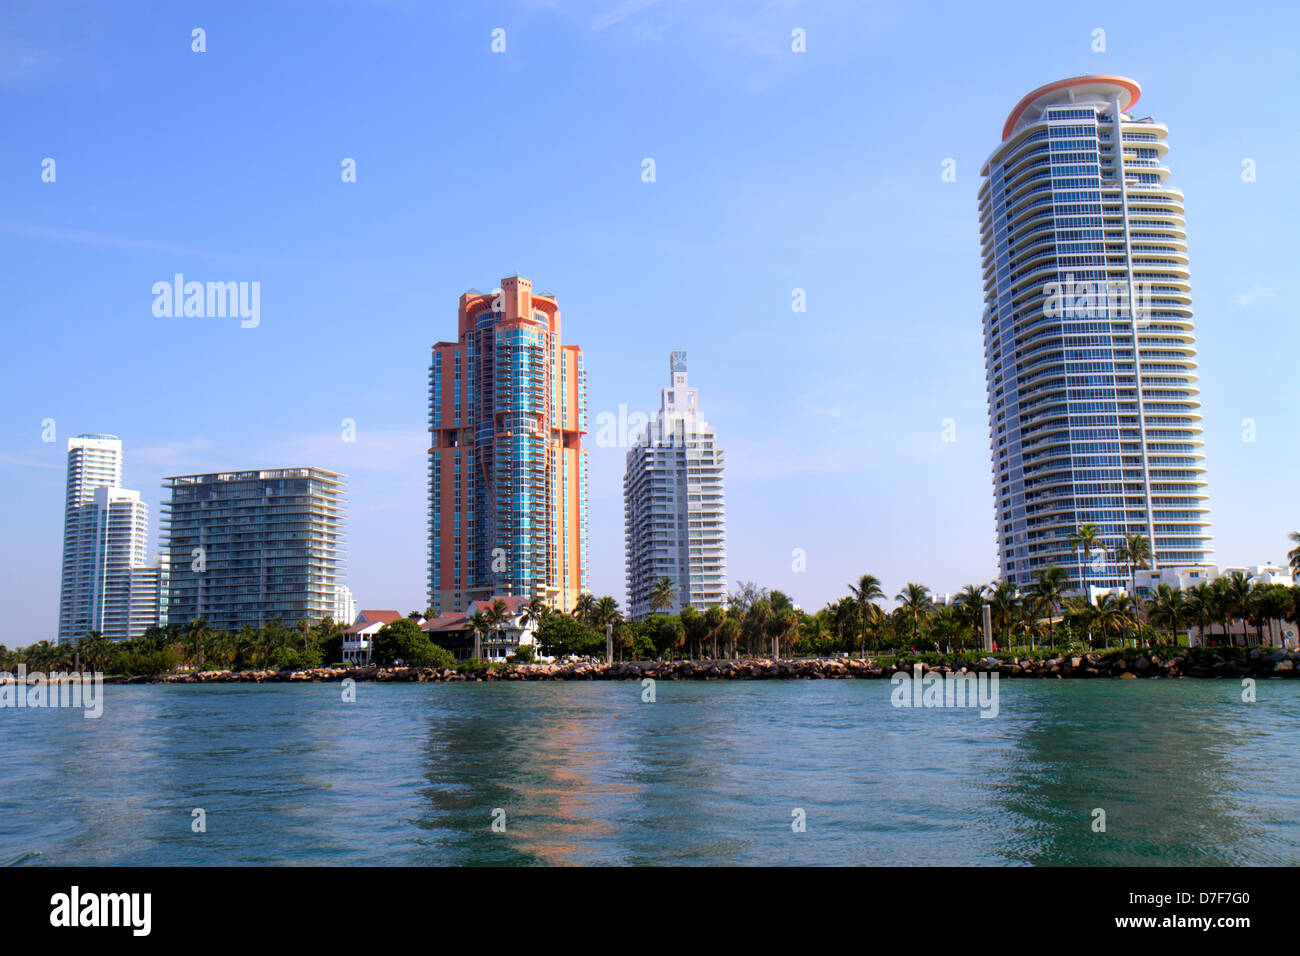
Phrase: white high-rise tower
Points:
(1094, 409)
(674, 504)
(106, 585)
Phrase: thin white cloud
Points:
(622, 12)
(169, 453)
(88, 237)
(392, 450)
(28, 462)
(1249, 298)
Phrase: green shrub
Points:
(524, 655)
(403, 640)
(562, 636)
(438, 657)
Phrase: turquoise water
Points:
(586, 773)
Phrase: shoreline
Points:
(1149, 663)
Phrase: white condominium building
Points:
(107, 586)
(345, 605)
(1094, 408)
(673, 502)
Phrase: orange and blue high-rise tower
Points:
(507, 470)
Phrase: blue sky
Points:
(775, 170)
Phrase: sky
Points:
(774, 170)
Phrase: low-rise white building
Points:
(1278, 633)
(358, 640)
(345, 606)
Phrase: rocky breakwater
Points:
(1129, 664)
(1154, 662)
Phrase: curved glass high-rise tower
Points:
(1084, 252)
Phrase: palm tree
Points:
(197, 633)
(1293, 555)
(1278, 604)
(844, 617)
(662, 595)
(1132, 608)
(693, 627)
(793, 623)
(949, 622)
(970, 603)
(1139, 610)
(583, 607)
(221, 649)
(1135, 551)
(1235, 601)
(779, 627)
(1038, 629)
(815, 634)
(1292, 612)
(714, 618)
(1083, 540)
(1222, 604)
(730, 633)
(1114, 616)
(865, 593)
(535, 611)
(1168, 610)
(1260, 604)
(93, 651)
(755, 623)
(493, 618)
(1080, 615)
(1048, 591)
(1004, 608)
(605, 611)
(914, 601)
(1201, 607)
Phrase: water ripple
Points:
(711, 773)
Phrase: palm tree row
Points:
(757, 620)
(190, 646)
(1045, 617)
